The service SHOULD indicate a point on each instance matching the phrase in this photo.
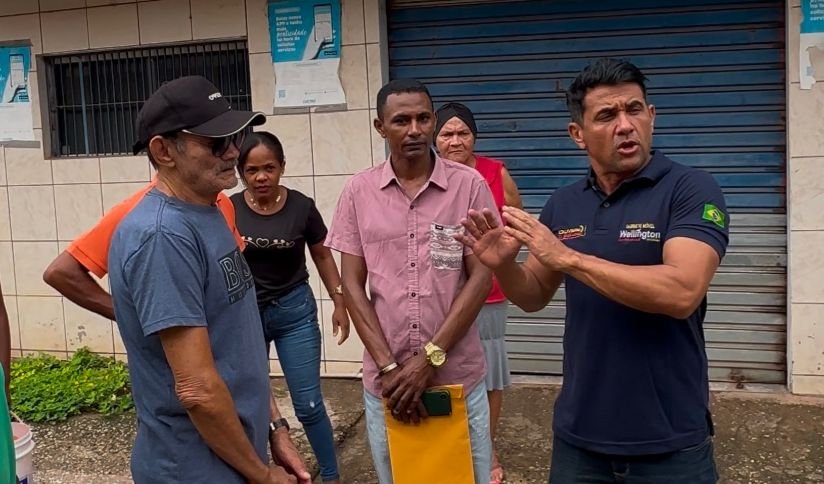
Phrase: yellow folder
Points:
(435, 451)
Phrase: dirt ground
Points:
(760, 439)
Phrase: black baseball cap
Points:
(192, 103)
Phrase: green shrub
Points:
(46, 389)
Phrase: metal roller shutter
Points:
(717, 77)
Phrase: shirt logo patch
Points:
(571, 232)
(639, 232)
(264, 243)
(714, 214)
(236, 274)
(446, 252)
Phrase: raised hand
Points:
(487, 239)
(541, 242)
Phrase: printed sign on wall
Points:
(305, 38)
(15, 97)
(811, 42)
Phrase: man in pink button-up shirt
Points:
(395, 225)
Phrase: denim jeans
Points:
(477, 408)
(572, 465)
(291, 321)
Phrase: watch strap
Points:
(278, 423)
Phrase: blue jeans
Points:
(291, 321)
(477, 408)
(693, 465)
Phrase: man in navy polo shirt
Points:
(636, 242)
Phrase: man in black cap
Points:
(185, 304)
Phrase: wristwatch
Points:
(435, 355)
(279, 423)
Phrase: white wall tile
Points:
(115, 169)
(41, 323)
(295, 134)
(214, 19)
(65, 31)
(262, 78)
(807, 193)
(17, 7)
(84, 328)
(372, 19)
(113, 26)
(354, 77)
(5, 221)
(808, 384)
(257, 21)
(164, 21)
(9, 286)
(374, 72)
(806, 261)
(79, 207)
(22, 27)
(807, 345)
(14, 321)
(50, 5)
(3, 180)
(26, 166)
(327, 192)
(352, 22)
(76, 170)
(30, 260)
(340, 142)
(32, 213)
(806, 136)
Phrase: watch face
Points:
(438, 358)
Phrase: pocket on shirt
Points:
(446, 252)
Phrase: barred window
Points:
(94, 97)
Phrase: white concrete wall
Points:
(805, 180)
(45, 203)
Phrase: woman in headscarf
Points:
(455, 134)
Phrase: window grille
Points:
(94, 97)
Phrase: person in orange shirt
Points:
(69, 275)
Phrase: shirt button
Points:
(414, 326)
(412, 207)
(411, 236)
(414, 294)
(606, 204)
(412, 264)
(414, 353)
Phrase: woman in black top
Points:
(278, 224)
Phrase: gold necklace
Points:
(261, 207)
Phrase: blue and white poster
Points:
(812, 41)
(305, 38)
(15, 102)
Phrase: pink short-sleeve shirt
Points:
(415, 266)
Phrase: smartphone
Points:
(438, 403)
(323, 23)
(17, 69)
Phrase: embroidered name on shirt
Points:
(237, 275)
(571, 232)
(639, 232)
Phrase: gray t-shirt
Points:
(175, 264)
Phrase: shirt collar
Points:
(658, 166)
(438, 176)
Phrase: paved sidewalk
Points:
(762, 438)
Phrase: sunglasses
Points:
(220, 146)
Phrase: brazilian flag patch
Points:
(714, 214)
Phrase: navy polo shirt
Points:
(635, 383)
